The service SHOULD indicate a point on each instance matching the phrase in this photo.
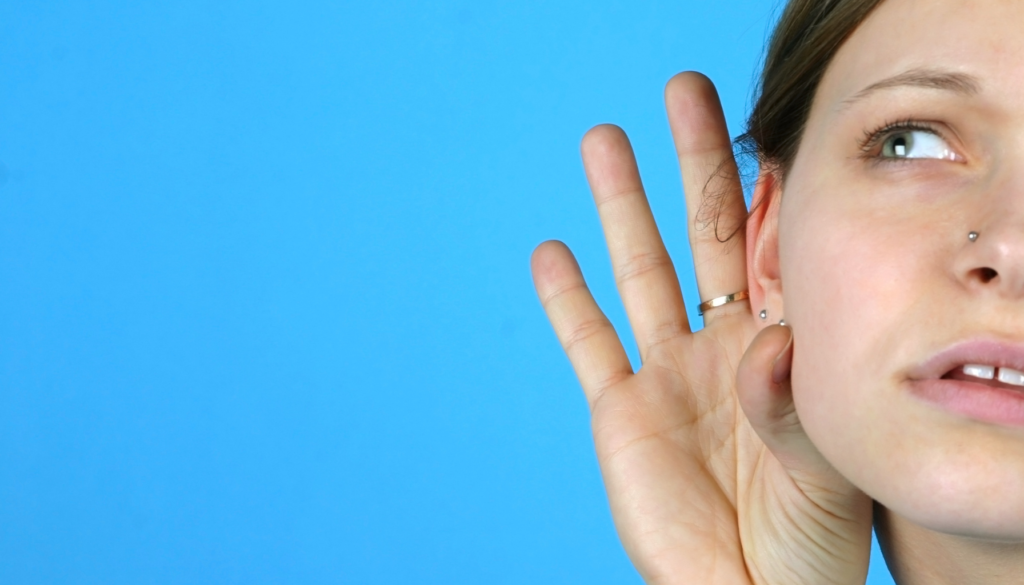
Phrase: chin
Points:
(946, 474)
(965, 496)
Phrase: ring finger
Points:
(715, 208)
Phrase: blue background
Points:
(265, 306)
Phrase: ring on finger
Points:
(723, 300)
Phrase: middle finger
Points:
(644, 273)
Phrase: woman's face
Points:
(888, 296)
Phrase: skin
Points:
(696, 493)
(710, 476)
(870, 263)
(734, 456)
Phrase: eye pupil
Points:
(899, 146)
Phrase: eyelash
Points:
(877, 136)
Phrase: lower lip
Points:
(977, 401)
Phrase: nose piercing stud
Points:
(763, 314)
(973, 236)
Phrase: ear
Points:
(763, 273)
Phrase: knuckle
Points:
(613, 196)
(559, 292)
(640, 265)
(583, 332)
(662, 333)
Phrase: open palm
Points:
(710, 481)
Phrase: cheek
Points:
(847, 282)
(863, 294)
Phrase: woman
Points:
(887, 231)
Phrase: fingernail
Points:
(783, 364)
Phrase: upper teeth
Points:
(986, 372)
(1006, 375)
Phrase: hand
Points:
(710, 477)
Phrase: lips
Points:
(988, 375)
(981, 379)
(984, 353)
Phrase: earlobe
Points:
(763, 274)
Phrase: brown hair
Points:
(805, 40)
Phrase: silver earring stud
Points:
(764, 313)
(973, 236)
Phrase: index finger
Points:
(715, 208)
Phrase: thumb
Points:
(767, 399)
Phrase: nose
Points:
(992, 259)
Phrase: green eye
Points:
(916, 144)
(898, 145)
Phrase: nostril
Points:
(987, 274)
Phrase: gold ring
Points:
(719, 301)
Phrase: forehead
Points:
(981, 38)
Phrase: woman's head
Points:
(913, 138)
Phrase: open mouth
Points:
(991, 376)
(982, 379)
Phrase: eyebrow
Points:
(955, 82)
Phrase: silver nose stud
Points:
(973, 236)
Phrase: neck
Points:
(918, 556)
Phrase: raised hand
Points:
(710, 477)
